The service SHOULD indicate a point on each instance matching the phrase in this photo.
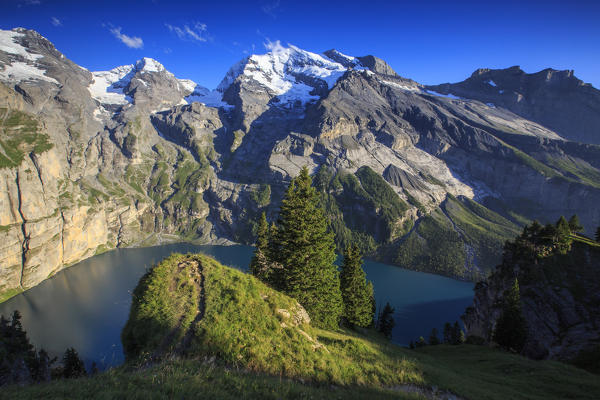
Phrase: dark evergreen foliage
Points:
(563, 236)
(301, 253)
(447, 333)
(433, 337)
(72, 365)
(357, 293)
(19, 362)
(421, 342)
(260, 265)
(386, 321)
(574, 224)
(598, 235)
(511, 328)
(457, 335)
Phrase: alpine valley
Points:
(433, 178)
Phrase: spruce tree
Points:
(386, 321)
(457, 336)
(357, 294)
(563, 236)
(260, 266)
(433, 337)
(447, 333)
(574, 224)
(72, 365)
(511, 328)
(306, 250)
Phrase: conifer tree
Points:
(511, 328)
(458, 336)
(421, 342)
(386, 321)
(563, 236)
(574, 224)
(72, 365)
(357, 293)
(598, 235)
(447, 333)
(260, 266)
(306, 250)
(433, 337)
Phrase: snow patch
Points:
(500, 91)
(9, 45)
(149, 65)
(492, 83)
(107, 86)
(401, 86)
(187, 84)
(448, 96)
(20, 71)
(210, 98)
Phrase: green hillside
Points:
(198, 329)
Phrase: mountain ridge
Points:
(153, 167)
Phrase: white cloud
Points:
(270, 8)
(55, 21)
(130, 41)
(197, 32)
(29, 3)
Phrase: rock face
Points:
(560, 297)
(135, 156)
(555, 99)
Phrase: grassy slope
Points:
(257, 357)
(437, 243)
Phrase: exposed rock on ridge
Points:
(91, 161)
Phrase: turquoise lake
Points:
(86, 305)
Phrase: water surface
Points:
(87, 305)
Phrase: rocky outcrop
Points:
(134, 156)
(560, 296)
(554, 99)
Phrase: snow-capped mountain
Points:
(289, 74)
(418, 174)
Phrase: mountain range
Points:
(433, 178)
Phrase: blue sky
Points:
(430, 42)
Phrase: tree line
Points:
(20, 363)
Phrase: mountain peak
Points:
(149, 65)
(289, 73)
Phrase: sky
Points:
(428, 41)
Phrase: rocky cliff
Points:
(560, 297)
(134, 156)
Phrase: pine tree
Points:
(433, 337)
(72, 365)
(447, 333)
(598, 235)
(357, 293)
(574, 224)
(421, 342)
(511, 328)
(386, 321)
(563, 236)
(457, 335)
(306, 250)
(260, 265)
(94, 368)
